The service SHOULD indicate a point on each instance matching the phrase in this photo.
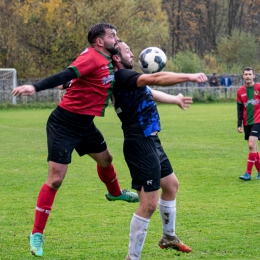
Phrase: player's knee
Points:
(251, 146)
(55, 181)
(176, 185)
(171, 185)
(106, 161)
(151, 207)
(56, 184)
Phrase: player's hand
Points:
(198, 77)
(25, 90)
(240, 129)
(184, 101)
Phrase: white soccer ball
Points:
(152, 60)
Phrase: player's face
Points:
(249, 76)
(111, 41)
(126, 56)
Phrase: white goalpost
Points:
(8, 81)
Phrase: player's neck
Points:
(250, 84)
(102, 50)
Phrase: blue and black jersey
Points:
(134, 106)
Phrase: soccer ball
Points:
(152, 60)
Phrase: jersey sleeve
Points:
(239, 114)
(55, 80)
(126, 78)
(240, 107)
(84, 64)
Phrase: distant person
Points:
(201, 88)
(226, 82)
(248, 113)
(150, 168)
(213, 81)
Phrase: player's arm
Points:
(47, 83)
(240, 108)
(169, 78)
(180, 100)
(64, 86)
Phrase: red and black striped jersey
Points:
(249, 97)
(90, 92)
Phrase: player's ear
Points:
(116, 58)
(99, 42)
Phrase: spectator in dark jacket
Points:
(213, 81)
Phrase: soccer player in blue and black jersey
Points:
(149, 165)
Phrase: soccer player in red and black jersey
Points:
(248, 114)
(71, 126)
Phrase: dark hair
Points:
(248, 68)
(98, 30)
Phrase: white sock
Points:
(138, 231)
(168, 214)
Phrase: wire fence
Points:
(197, 93)
(206, 93)
(202, 93)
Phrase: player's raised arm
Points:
(169, 78)
(47, 83)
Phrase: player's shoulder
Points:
(242, 88)
(125, 72)
(90, 51)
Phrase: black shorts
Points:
(147, 163)
(67, 131)
(252, 130)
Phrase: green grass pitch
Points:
(218, 215)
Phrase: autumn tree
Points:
(41, 37)
(50, 34)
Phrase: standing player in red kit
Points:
(248, 112)
(70, 126)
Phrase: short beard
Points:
(111, 50)
(126, 65)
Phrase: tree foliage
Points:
(240, 48)
(41, 37)
(50, 34)
(198, 26)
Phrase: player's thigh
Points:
(61, 139)
(144, 164)
(103, 159)
(94, 145)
